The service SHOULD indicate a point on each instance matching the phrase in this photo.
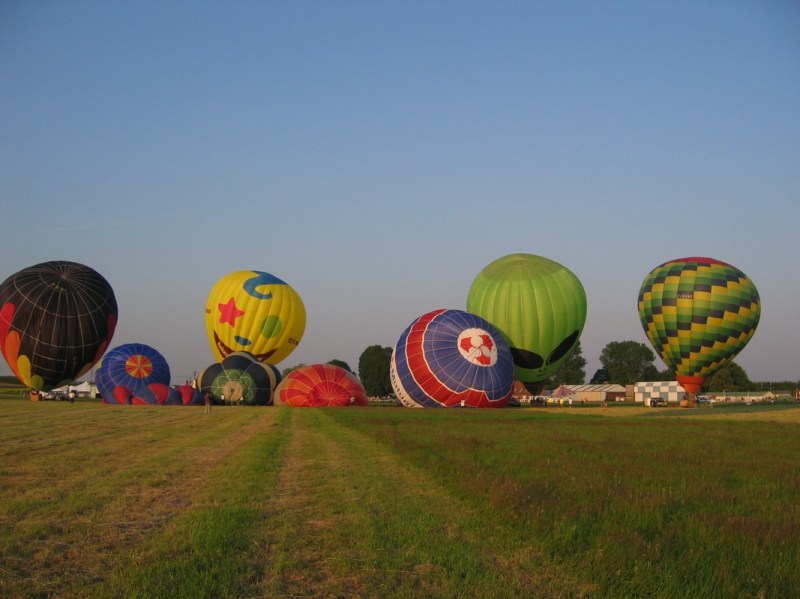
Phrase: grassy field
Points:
(140, 501)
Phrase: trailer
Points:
(668, 391)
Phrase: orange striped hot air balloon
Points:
(320, 385)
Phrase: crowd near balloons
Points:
(523, 316)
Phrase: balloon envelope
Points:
(56, 319)
(538, 305)
(128, 368)
(190, 396)
(157, 394)
(256, 312)
(698, 313)
(449, 356)
(240, 379)
(320, 385)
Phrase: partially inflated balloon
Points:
(320, 385)
(240, 379)
(698, 313)
(190, 396)
(538, 305)
(255, 312)
(157, 394)
(56, 320)
(128, 368)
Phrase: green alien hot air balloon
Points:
(698, 313)
(538, 305)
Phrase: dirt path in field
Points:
(338, 527)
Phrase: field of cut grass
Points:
(142, 501)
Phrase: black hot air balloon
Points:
(56, 321)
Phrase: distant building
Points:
(669, 391)
(604, 392)
(582, 393)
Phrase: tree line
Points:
(622, 363)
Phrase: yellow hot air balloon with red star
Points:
(255, 312)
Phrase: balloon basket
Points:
(34, 395)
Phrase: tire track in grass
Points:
(207, 550)
(352, 518)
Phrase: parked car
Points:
(657, 402)
(513, 403)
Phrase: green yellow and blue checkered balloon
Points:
(698, 313)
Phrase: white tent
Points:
(81, 389)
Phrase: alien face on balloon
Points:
(542, 368)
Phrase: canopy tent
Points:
(562, 391)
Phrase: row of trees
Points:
(622, 363)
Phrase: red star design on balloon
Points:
(229, 312)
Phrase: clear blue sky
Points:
(377, 155)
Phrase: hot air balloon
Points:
(128, 368)
(157, 394)
(320, 385)
(698, 313)
(56, 320)
(540, 308)
(255, 312)
(452, 358)
(190, 396)
(240, 379)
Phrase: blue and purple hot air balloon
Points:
(157, 394)
(129, 368)
(452, 358)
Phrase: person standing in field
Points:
(207, 397)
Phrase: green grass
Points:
(639, 507)
(140, 501)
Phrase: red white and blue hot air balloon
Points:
(452, 358)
